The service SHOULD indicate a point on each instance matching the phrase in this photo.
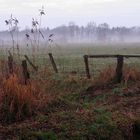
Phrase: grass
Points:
(69, 106)
(70, 57)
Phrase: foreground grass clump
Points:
(18, 101)
(103, 126)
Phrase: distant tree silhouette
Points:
(89, 33)
(102, 32)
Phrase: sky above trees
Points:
(114, 12)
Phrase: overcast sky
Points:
(114, 12)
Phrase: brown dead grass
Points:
(16, 100)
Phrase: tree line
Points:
(89, 33)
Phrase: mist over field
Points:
(72, 33)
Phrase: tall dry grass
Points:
(107, 75)
(18, 101)
(131, 74)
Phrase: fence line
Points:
(71, 65)
(120, 62)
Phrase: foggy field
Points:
(69, 57)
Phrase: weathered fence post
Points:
(119, 69)
(25, 72)
(34, 67)
(10, 64)
(53, 63)
(87, 66)
(9, 53)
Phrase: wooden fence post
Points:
(10, 53)
(53, 63)
(87, 66)
(25, 72)
(119, 69)
(34, 67)
(10, 64)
